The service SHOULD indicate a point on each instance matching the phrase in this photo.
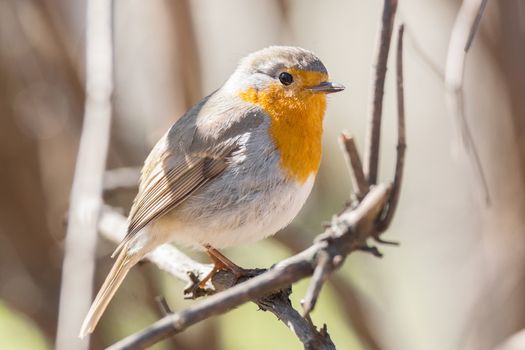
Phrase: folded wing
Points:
(170, 182)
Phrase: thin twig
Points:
(355, 167)
(425, 56)
(401, 137)
(127, 177)
(379, 71)
(348, 232)
(164, 307)
(321, 273)
(475, 25)
(86, 194)
(454, 74)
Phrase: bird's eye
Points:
(285, 78)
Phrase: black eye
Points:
(285, 78)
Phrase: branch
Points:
(321, 273)
(347, 233)
(86, 194)
(323, 268)
(462, 35)
(126, 177)
(352, 304)
(425, 56)
(401, 136)
(475, 25)
(359, 184)
(164, 307)
(379, 72)
(279, 304)
(113, 226)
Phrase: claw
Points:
(194, 289)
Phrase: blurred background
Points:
(456, 282)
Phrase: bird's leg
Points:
(220, 262)
(224, 263)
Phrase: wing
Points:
(170, 187)
(169, 184)
(191, 154)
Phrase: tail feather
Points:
(115, 277)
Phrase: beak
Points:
(326, 87)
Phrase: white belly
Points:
(258, 218)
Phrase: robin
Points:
(237, 167)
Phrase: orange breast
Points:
(296, 123)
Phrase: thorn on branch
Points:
(383, 241)
(372, 250)
(324, 331)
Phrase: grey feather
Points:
(193, 152)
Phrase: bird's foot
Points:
(220, 263)
(194, 290)
(224, 274)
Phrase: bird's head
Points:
(290, 84)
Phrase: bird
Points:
(235, 168)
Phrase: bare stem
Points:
(475, 25)
(321, 273)
(359, 183)
(86, 194)
(401, 136)
(460, 39)
(379, 72)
